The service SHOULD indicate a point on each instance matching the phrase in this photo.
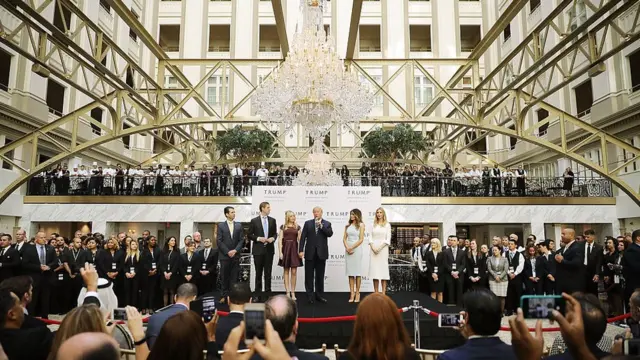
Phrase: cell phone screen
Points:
(208, 308)
(449, 320)
(254, 324)
(119, 315)
(541, 307)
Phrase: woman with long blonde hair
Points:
(352, 239)
(435, 260)
(132, 267)
(288, 252)
(83, 319)
(379, 256)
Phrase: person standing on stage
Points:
(593, 257)
(352, 240)
(263, 232)
(454, 265)
(379, 244)
(570, 269)
(315, 234)
(209, 268)
(230, 240)
(289, 237)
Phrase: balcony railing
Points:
(398, 186)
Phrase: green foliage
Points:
(245, 145)
(388, 144)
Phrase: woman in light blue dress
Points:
(352, 239)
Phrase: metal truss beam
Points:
(278, 14)
(354, 26)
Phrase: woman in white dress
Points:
(379, 243)
(352, 239)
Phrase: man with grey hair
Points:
(38, 261)
(21, 236)
(197, 238)
(282, 311)
(314, 249)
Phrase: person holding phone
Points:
(314, 248)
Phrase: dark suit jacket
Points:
(293, 350)
(256, 231)
(227, 241)
(570, 272)
(158, 319)
(314, 240)
(480, 262)
(26, 344)
(31, 322)
(432, 262)
(11, 262)
(211, 263)
(31, 262)
(184, 265)
(595, 351)
(594, 262)
(480, 349)
(631, 268)
(107, 263)
(460, 262)
(226, 324)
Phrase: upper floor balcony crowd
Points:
(394, 180)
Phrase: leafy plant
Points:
(245, 145)
(389, 144)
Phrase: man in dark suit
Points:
(282, 311)
(18, 343)
(516, 262)
(230, 240)
(263, 232)
(21, 237)
(314, 249)
(38, 261)
(22, 287)
(631, 266)
(570, 267)
(208, 257)
(9, 258)
(593, 257)
(454, 267)
(482, 318)
(548, 268)
(185, 294)
(239, 295)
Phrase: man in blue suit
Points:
(315, 234)
(230, 242)
(186, 293)
(482, 317)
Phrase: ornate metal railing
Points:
(415, 185)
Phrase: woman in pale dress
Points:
(352, 239)
(379, 244)
(498, 267)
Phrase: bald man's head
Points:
(568, 235)
(283, 313)
(94, 346)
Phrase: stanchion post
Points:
(416, 323)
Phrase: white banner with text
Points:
(336, 202)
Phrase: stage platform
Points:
(313, 335)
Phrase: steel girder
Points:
(486, 109)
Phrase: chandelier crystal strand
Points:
(313, 89)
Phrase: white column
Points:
(557, 234)
(340, 23)
(244, 38)
(537, 229)
(394, 39)
(100, 227)
(195, 31)
(445, 30)
(187, 227)
(448, 228)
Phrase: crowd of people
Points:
(224, 180)
(540, 267)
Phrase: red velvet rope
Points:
(353, 317)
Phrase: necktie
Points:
(265, 226)
(230, 223)
(455, 252)
(41, 255)
(2, 252)
(206, 254)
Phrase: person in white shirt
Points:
(262, 173)
(516, 266)
(176, 180)
(237, 180)
(74, 179)
(108, 179)
(521, 175)
(508, 181)
(192, 175)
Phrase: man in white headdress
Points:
(106, 297)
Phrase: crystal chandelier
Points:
(313, 89)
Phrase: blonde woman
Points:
(352, 239)
(379, 244)
(288, 252)
(132, 267)
(435, 259)
(83, 319)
